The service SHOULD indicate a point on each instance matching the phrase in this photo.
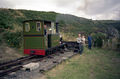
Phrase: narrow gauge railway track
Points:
(12, 69)
(71, 45)
(15, 65)
(14, 62)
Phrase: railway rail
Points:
(14, 65)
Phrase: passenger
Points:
(45, 30)
(79, 41)
(45, 33)
(89, 41)
(38, 28)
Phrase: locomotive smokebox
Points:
(57, 27)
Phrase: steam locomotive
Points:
(41, 37)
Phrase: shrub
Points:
(13, 39)
(98, 39)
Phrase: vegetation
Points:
(98, 39)
(11, 24)
(93, 64)
(13, 39)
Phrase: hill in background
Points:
(69, 25)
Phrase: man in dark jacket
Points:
(89, 42)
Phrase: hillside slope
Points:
(11, 25)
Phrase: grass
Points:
(93, 64)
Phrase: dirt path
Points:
(7, 53)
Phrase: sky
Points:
(91, 9)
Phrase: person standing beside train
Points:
(83, 40)
(79, 41)
(89, 41)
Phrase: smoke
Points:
(6, 4)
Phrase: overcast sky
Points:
(92, 9)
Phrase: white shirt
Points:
(83, 40)
(79, 40)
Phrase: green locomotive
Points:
(40, 37)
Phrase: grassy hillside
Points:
(11, 25)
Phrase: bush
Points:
(13, 39)
(98, 39)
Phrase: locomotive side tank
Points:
(40, 37)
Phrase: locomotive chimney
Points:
(57, 27)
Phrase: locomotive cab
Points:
(40, 36)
